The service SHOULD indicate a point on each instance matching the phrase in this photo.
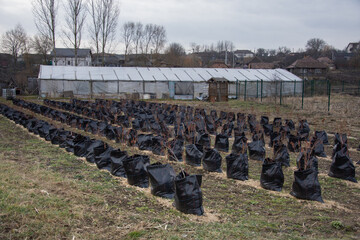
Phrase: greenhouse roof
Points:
(161, 74)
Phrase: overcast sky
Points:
(249, 24)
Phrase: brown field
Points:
(47, 193)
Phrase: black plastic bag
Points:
(158, 147)
(176, 149)
(240, 144)
(71, 142)
(131, 137)
(281, 154)
(342, 166)
(323, 136)
(294, 143)
(275, 136)
(306, 160)
(117, 166)
(264, 120)
(135, 168)
(306, 185)
(304, 130)
(258, 135)
(162, 177)
(272, 177)
(317, 147)
(80, 149)
(203, 139)
(340, 138)
(145, 142)
(290, 124)
(212, 161)
(257, 150)
(102, 158)
(188, 195)
(222, 142)
(194, 154)
(90, 156)
(237, 166)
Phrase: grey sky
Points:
(249, 24)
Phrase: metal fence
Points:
(278, 91)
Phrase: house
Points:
(66, 57)
(262, 65)
(246, 62)
(308, 68)
(352, 47)
(218, 64)
(328, 62)
(241, 54)
(110, 60)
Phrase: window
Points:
(317, 71)
(69, 63)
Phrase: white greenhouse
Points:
(178, 83)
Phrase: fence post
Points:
(281, 86)
(245, 91)
(257, 88)
(343, 85)
(91, 89)
(312, 87)
(302, 95)
(295, 88)
(237, 89)
(262, 89)
(329, 93)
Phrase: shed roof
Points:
(70, 52)
(214, 79)
(161, 74)
(307, 62)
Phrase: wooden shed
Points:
(218, 89)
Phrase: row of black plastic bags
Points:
(237, 164)
(238, 168)
(184, 188)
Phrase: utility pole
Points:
(225, 57)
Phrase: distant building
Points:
(241, 54)
(66, 57)
(308, 68)
(246, 62)
(218, 64)
(328, 62)
(262, 65)
(353, 47)
(110, 60)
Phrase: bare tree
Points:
(314, 46)
(137, 37)
(175, 54)
(75, 19)
(220, 46)
(94, 9)
(45, 13)
(109, 19)
(42, 45)
(148, 34)
(128, 31)
(159, 38)
(14, 42)
(282, 50)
